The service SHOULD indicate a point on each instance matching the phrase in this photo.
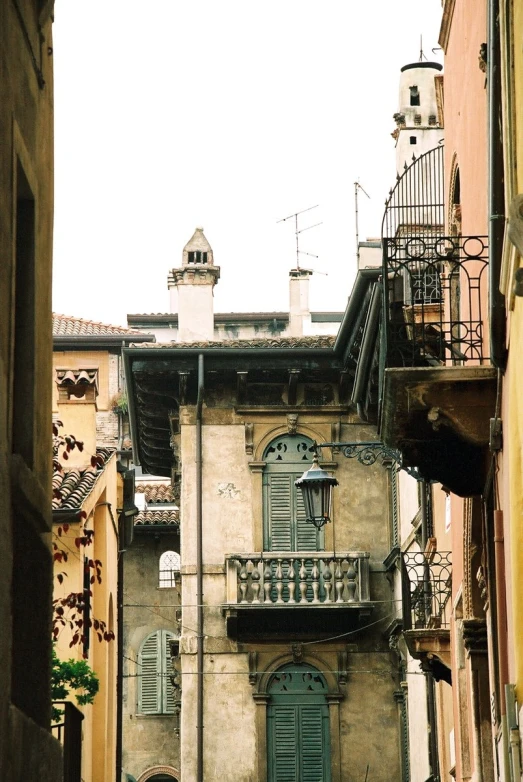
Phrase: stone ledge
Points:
(34, 754)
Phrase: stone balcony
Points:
(273, 594)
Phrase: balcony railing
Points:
(427, 587)
(434, 297)
(69, 734)
(304, 578)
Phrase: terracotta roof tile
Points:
(68, 326)
(324, 341)
(158, 518)
(74, 485)
(156, 492)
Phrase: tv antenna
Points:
(357, 187)
(297, 233)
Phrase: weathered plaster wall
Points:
(148, 740)
(234, 743)
(27, 750)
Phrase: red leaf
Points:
(66, 528)
(79, 445)
(64, 455)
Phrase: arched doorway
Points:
(298, 735)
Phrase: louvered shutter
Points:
(167, 694)
(312, 750)
(306, 533)
(279, 512)
(149, 701)
(284, 745)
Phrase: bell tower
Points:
(192, 285)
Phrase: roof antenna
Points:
(298, 232)
(421, 52)
(357, 187)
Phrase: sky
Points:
(226, 114)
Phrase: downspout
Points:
(496, 191)
(199, 575)
(502, 630)
(119, 658)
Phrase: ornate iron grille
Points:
(427, 589)
(433, 284)
(433, 300)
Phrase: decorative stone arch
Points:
(277, 431)
(151, 772)
(334, 697)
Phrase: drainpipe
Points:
(496, 194)
(199, 575)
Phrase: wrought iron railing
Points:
(427, 587)
(434, 299)
(298, 578)
(69, 734)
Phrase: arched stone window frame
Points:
(151, 772)
(334, 697)
(168, 582)
(320, 434)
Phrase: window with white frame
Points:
(155, 692)
(169, 569)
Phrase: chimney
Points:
(77, 393)
(299, 313)
(193, 285)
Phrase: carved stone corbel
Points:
(249, 439)
(253, 666)
(292, 423)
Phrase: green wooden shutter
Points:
(149, 669)
(279, 512)
(312, 750)
(306, 533)
(284, 743)
(167, 694)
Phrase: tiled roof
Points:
(67, 326)
(158, 518)
(156, 492)
(269, 342)
(74, 485)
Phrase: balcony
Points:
(438, 389)
(427, 589)
(282, 594)
(69, 734)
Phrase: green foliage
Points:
(72, 675)
(119, 403)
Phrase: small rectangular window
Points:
(190, 255)
(413, 140)
(414, 96)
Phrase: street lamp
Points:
(316, 486)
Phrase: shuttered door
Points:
(286, 528)
(298, 737)
(149, 701)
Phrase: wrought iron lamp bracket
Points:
(367, 453)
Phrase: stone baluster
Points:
(292, 583)
(327, 576)
(338, 578)
(243, 580)
(315, 573)
(351, 581)
(255, 581)
(303, 582)
(267, 581)
(279, 582)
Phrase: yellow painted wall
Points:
(99, 725)
(81, 359)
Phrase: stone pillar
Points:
(475, 640)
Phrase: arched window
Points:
(155, 692)
(298, 735)
(285, 526)
(169, 569)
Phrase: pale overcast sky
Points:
(229, 114)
